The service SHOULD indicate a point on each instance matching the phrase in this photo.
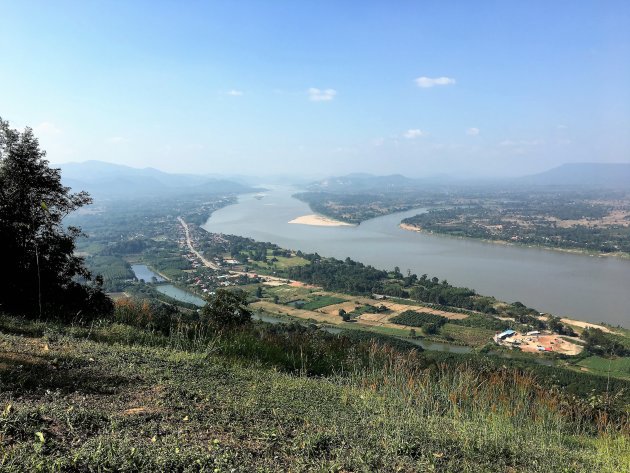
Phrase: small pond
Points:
(142, 271)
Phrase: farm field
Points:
(619, 367)
(325, 306)
(471, 336)
(371, 314)
(396, 307)
(295, 312)
(319, 301)
(282, 262)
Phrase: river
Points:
(584, 287)
(143, 272)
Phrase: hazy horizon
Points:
(256, 89)
(315, 176)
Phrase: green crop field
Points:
(317, 302)
(619, 367)
(110, 267)
(472, 336)
(418, 319)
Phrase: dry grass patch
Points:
(300, 313)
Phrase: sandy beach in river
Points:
(319, 221)
(579, 323)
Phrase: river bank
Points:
(574, 251)
(569, 285)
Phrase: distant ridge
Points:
(588, 175)
(102, 179)
(608, 175)
(362, 182)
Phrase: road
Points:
(271, 279)
(192, 248)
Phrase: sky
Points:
(463, 88)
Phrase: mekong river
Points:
(590, 288)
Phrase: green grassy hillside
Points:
(112, 397)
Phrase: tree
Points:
(430, 328)
(45, 277)
(259, 292)
(227, 308)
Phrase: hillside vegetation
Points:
(135, 394)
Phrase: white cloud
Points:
(235, 93)
(426, 82)
(115, 140)
(319, 95)
(414, 133)
(472, 131)
(46, 128)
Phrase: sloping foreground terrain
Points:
(112, 397)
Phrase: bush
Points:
(227, 308)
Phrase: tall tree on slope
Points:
(43, 276)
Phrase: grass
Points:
(471, 336)
(111, 397)
(619, 367)
(284, 262)
(391, 331)
(288, 293)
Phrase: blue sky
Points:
(420, 88)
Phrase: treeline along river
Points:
(585, 287)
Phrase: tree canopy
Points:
(227, 308)
(43, 276)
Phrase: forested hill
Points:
(103, 179)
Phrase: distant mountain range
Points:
(107, 180)
(104, 179)
(606, 175)
(589, 175)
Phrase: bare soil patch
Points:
(542, 343)
(301, 313)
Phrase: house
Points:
(505, 334)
